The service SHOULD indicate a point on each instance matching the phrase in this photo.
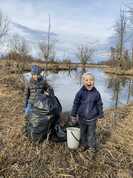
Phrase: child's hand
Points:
(74, 119)
(101, 117)
(46, 93)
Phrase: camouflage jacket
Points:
(34, 88)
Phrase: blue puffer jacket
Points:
(88, 105)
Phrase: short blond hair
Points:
(88, 74)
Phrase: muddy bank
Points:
(119, 72)
(21, 159)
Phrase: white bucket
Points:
(73, 137)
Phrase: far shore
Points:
(50, 66)
(119, 72)
(58, 66)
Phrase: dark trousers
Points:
(88, 134)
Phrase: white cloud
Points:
(74, 21)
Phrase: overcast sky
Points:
(92, 19)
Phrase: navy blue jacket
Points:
(87, 105)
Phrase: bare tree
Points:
(19, 46)
(127, 60)
(130, 18)
(113, 56)
(84, 53)
(131, 58)
(19, 50)
(47, 53)
(47, 47)
(49, 29)
(4, 25)
(120, 29)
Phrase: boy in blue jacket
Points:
(88, 107)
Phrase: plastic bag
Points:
(60, 132)
(45, 110)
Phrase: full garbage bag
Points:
(45, 115)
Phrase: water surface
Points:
(114, 90)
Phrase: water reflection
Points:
(130, 90)
(114, 90)
(116, 85)
(122, 89)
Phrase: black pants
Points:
(88, 134)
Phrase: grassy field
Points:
(19, 158)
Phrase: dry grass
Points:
(19, 158)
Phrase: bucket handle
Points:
(75, 137)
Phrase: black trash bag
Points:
(39, 126)
(60, 133)
(44, 112)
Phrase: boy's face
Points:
(35, 77)
(88, 82)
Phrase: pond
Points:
(115, 91)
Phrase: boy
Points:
(37, 85)
(88, 107)
(40, 103)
